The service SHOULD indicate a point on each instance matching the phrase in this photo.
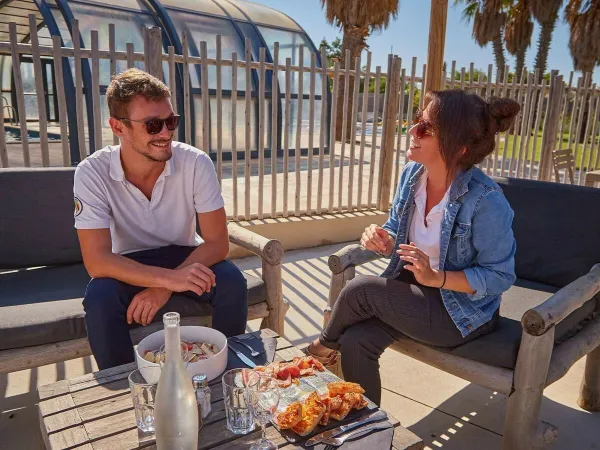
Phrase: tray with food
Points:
(319, 402)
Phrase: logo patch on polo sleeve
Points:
(78, 207)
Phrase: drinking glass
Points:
(143, 383)
(236, 383)
(263, 398)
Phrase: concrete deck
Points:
(445, 411)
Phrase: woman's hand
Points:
(418, 264)
(377, 239)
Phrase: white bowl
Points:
(212, 367)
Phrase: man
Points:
(136, 206)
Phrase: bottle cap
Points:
(171, 319)
(199, 380)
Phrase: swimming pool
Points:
(13, 134)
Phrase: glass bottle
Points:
(176, 411)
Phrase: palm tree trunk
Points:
(499, 55)
(541, 59)
(520, 62)
(354, 39)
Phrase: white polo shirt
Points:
(427, 237)
(105, 199)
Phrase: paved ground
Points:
(445, 411)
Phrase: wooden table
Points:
(95, 412)
(592, 177)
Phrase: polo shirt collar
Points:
(116, 168)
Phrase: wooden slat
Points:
(18, 82)
(517, 125)
(354, 113)
(113, 65)
(298, 148)
(594, 131)
(576, 105)
(286, 133)
(39, 88)
(530, 123)
(452, 72)
(61, 98)
(422, 97)
(363, 123)
(471, 74)
(332, 125)
(565, 110)
(274, 114)
(524, 128)
(374, 136)
(172, 77)
(586, 89)
(130, 51)
(234, 169)
(79, 107)
(409, 114)
(205, 99)
(500, 92)
(400, 117)
(347, 65)
(588, 130)
(538, 119)
(261, 131)
(488, 94)
(311, 129)
(68, 438)
(323, 128)
(508, 132)
(462, 78)
(96, 91)
(219, 113)
(187, 114)
(248, 143)
(3, 150)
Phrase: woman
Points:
(450, 241)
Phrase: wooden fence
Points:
(297, 167)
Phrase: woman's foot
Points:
(331, 359)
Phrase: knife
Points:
(373, 417)
(242, 357)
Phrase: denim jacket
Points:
(476, 238)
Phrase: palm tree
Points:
(517, 33)
(488, 22)
(584, 20)
(583, 17)
(357, 19)
(546, 13)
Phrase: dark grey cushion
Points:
(556, 229)
(500, 348)
(36, 223)
(41, 306)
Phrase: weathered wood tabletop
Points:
(95, 412)
(592, 177)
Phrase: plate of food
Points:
(317, 403)
(204, 350)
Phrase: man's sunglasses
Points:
(155, 125)
(421, 126)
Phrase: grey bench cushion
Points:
(500, 348)
(41, 306)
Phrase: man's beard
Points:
(161, 158)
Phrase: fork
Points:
(253, 352)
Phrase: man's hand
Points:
(195, 277)
(419, 265)
(377, 239)
(146, 304)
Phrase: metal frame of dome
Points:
(54, 11)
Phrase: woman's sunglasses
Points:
(155, 125)
(421, 126)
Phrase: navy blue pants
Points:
(106, 302)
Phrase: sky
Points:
(407, 36)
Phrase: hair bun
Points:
(502, 112)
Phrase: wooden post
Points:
(387, 140)
(550, 126)
(589, 396)
(338, 281)
(277, 305)
(522, 427)
(153, 52)
(435, 50)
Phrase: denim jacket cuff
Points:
(477, 282)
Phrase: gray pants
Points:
(373, 312)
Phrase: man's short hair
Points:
(127, 85)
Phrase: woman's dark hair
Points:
(462, 119)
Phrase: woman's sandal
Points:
(333, 362)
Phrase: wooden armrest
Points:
(538, 320)
(351, 255)
(270, 250)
